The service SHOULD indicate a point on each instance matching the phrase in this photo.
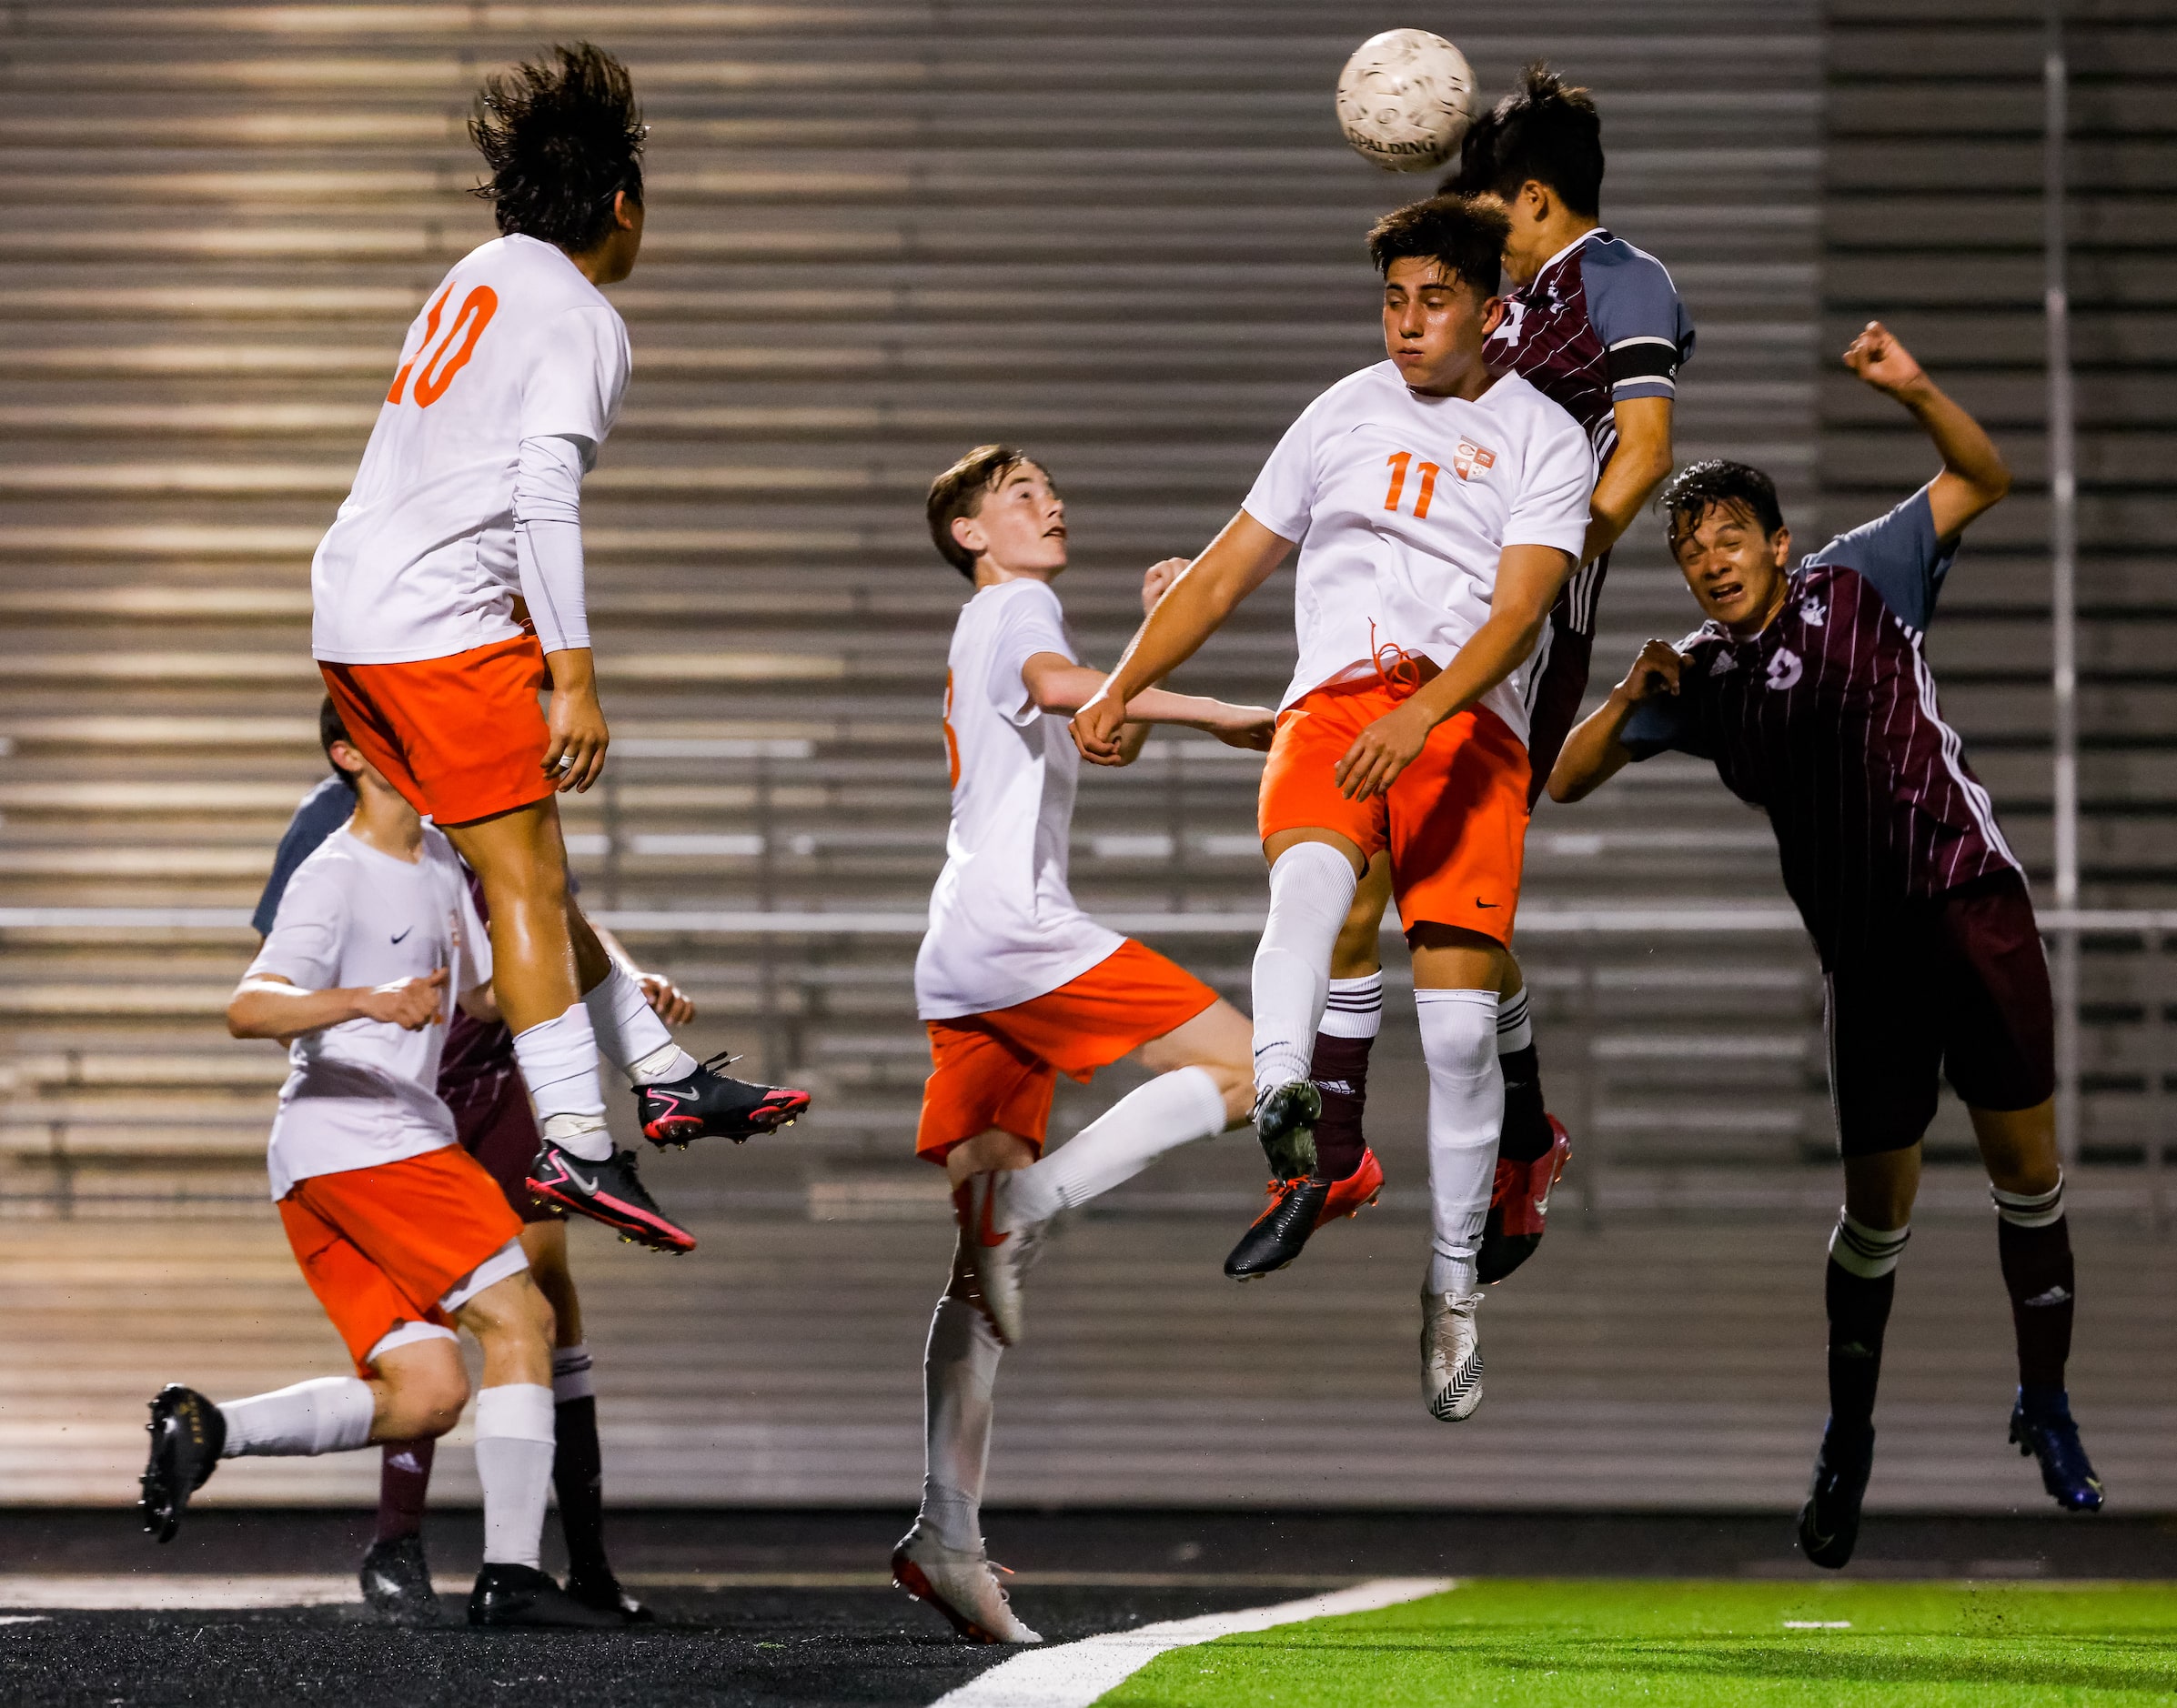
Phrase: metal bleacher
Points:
(1126, 236)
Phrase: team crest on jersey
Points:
(1785, 669)
(1470, 456)
(1813, 612)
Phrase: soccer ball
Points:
(1405, 100)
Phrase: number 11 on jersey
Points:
(1400, 461)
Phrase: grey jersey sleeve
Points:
(1900, 555)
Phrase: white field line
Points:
(167, 1593)
(1073, 1674)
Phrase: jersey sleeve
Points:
(303, 946)
(1032, 622)
(1900, 555)
(577, 379)
(1662, 723)
(1284, 495)
(1557, 484)
(320, 812)
(1646, 333)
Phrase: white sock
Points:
(1310, 887)
(330, 1415)
(1514, 1029)
(629, 1035)
(1173, 1109)
(570, 1374)
(514, 1464)
(558, 1064)
(959, 1366)
(1466, 1109)
(1355, 1008)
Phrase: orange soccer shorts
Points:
(461, 738)
(380, 1246)
(1000, 1068)
(1454, 819)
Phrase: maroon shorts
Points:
(1958, 987)
(494, 1123)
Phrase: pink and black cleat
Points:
(609, 1191)
(707, 1105)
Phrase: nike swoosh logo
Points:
(403, 935)
(587, 1188)
(1480, 903)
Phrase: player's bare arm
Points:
(1594, 752)
(1974, 478)
(1057, 684)
(268, 1006)
(1239, 559)
(1528, 579)
(1637, 467)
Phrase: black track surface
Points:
(836, 1640)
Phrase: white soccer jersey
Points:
(419, 563)
(1402, 505)
(1003, 927)
(363, 1092)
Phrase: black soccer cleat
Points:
(609, 1191)
(1520, 1207)
(599, 1589)
(708, 1105)
(187, 1433)
(1284, 1120)
(1281, 1231)
(1830, 1521)
(396, 1584)
(2045, 1430)
(515, 1597)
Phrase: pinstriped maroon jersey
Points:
(1829, 721)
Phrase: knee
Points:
(515, 1313)
(423, 1403)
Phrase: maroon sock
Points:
(1340, 1071)
(2038, 1274)
(404, 1478)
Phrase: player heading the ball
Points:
(1438, 509)
(449, 592)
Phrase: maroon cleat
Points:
(609, 1191)
(1520, 1207)
(709, 1105)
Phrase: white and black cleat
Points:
(962, 1586)
(999, 1252)
(1451, 1355)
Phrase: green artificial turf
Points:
(1537, 1644)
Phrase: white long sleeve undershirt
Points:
(548, 538)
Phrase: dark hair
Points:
(1699, 488)
(563, 137)
(330, 729)
(1466, 237)
(1543, 130)
(960, 491)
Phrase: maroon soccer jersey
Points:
(1828, 720)
(1600, 323)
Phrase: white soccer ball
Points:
(1405, 100)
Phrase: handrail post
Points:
(2063, 536)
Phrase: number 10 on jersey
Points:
(1402, 464)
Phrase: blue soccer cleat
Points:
(2041, 1424)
